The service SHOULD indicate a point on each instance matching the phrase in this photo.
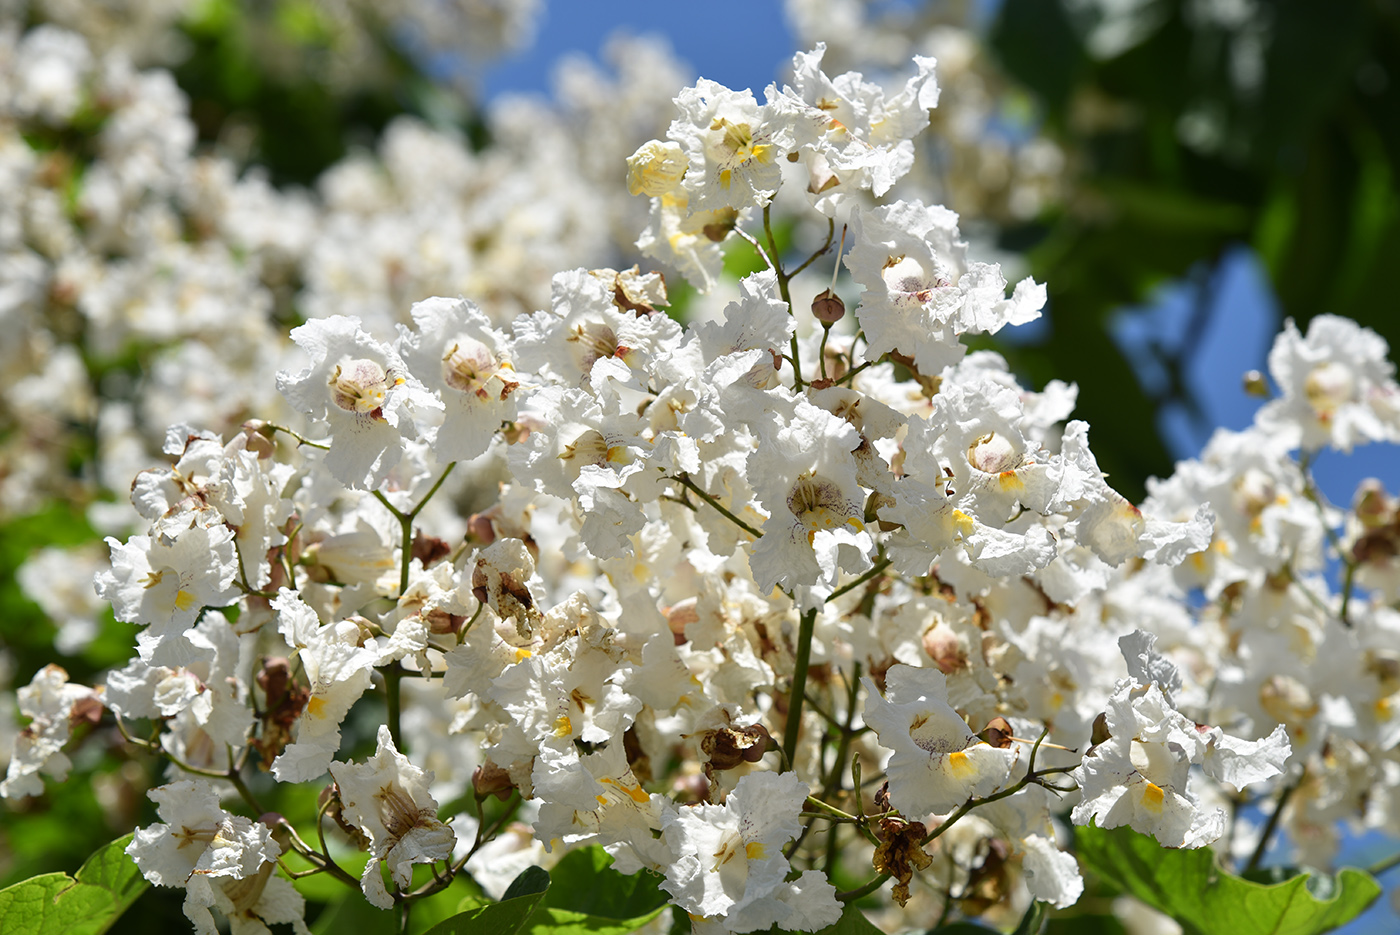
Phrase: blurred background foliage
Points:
(1196, 126)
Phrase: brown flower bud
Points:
(997, 733)
(490, 779)
(828, 307)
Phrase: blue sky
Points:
(738, 44)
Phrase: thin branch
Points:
(685, 481)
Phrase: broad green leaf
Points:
(585, 882)
(351, 912)
(852, 922)
(506, 917)
(1189, 887)
(57, 904)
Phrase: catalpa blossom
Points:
(198, 842)
(362, 391)
(733, 145)
(730, 872)
(387, 798)
(1338, 389)
(852, 135)
(805, 476)
(338, 670)
(938, 763)
(1141, 775)
(165, 582)
(51, 703)
(457, 354)
(921, 290)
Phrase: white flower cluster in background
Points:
(661, 585)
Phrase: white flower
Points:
(363, 391)
(1338, 388)
(655, 169)
(456, 353)
(1141, 775)
(338, 670)
(387, 798)
(730, 866)
(689, 240)
(804, 474)
(853, 136)
(201, 679)
(48, 700)
(733, 145)
(198, 842)
(938, 762)
(921, 291)
(166, 582)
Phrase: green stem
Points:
(300, 440)
(850, 374)
(406, 525)
(830, 236)
(690, 485)
(1272, 824)
(393, 675)
(783, 290)
(799, 686)
(1381, 866)
(869, 887)
(821, 351)
(878, 567)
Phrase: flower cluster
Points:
(663, 587)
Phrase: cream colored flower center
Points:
(359, 386)
(819, 504)
(1328, 387)
(993, 454)
(910, 282)
(397, 810)
(734, 146)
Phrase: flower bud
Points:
(1256, 385)
(490, 779)
(828, 307)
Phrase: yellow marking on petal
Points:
(856, 523)
(961, 765)
(1383, 709)
(316, 706)
(617, 454)
(602, 799)
(963, 524)
(563, 727)
(635, 793)
(1010, 480)
(754, 850)
(521, 654)
(724, 178)
(184, 599)
(1152, 798)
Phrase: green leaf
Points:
(852, 922)
(584, 881)
(506, 917)
(57, 904)
(1189, 887)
